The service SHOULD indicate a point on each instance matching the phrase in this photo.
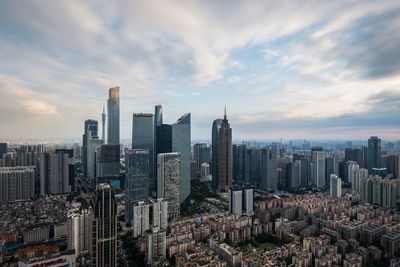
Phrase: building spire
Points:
(225, 113)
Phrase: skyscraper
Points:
(318, 167)
(269, 168)
(181, 142)
(113, 116)
(239, 152)
(169, 180)
(374, 153)
(3, 149)
(92, 127)
(79, 225)
(335, 186)
(252, 165)
(107, 158)
(104, 238)
(354, 175)
(175, 138)
(293, 172)
(58, 172)
(201, 154)
(143, 138)
(222, 154)
(103, 125)
(241, 200)
(137, 162)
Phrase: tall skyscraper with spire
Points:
(103, 125)
(222, 154)
(113, 116)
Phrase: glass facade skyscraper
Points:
(143, 138)
(113, 116)
(374, 153)
(137, 162)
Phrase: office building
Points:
(331, 167)
(335, 186)
(238, 155)
(293, 174)
(113, 116)
(318, 167)
(103, 125)
(94, 145)
(392, 164)
(269, 168)
(107, 161)
(221, 154)
(104, 235)
(137, 165)
(354, 154)
(176, 138)
(90, 126)
(17, 183)
(252, 166)
(201, 154)
(241, 200)
(3, 149)
(168, 181)
(374, 153)
(143, 138)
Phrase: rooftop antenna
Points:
(225, 113)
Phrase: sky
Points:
(284, 69)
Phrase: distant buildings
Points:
(221, 154)
(269, 169)
(113, 116)
(374, 153)
(17, 183)
(335, 186)
(168, 181)
(104, 238)
(318, 167)
(137, 162)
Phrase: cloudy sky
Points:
(290, 69)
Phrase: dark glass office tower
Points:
(104, 234)
(252, 165)
(269, 169)
(3, 149)
(143, 138)
(238, 152)
(92, 126)
(113, 116)
(374, 153)
(107, 163)
(222, 154)
(137, 162)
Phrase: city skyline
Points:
(330, 72)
